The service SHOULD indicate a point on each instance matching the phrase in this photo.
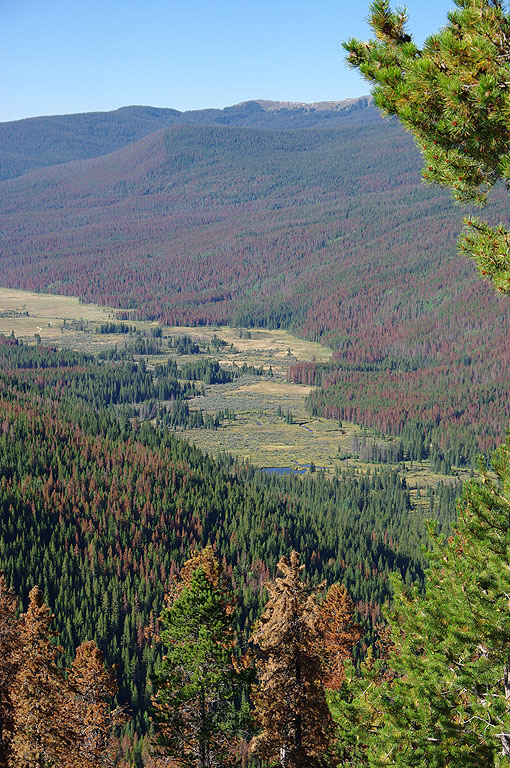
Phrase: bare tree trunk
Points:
(203, 757)
(298, 733)
(505, 737)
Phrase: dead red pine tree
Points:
(338, 634)
(93, 687)
(290, 703)
(9, 640)
(41, 705)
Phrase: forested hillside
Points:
(324, 231)
(42, 141)
(100, 511)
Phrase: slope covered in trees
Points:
(42, 141)
(220, 224)
(326, 232)
(100, 512)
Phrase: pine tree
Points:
(93, 688)
(290, 703)
(9, 662)
(453, 96)
(43, 735)
(198, 683)
(478, 559)
(356, 711)
(425, 712)
(449, 704)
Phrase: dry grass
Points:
(275, 387)
(276, 348)
(48, 305)
(46, 313)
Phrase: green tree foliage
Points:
(290, 702)
(448, 704)
(356, 712)
(198, 683)
(453, 95)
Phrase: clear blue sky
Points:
(63, 56)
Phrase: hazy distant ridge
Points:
(43, 141)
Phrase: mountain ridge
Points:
(54, 139)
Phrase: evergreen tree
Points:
(356, 711)
(289, 701)
(198, 683)
(449, 704)
(453, 96)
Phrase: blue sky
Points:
(64, 56)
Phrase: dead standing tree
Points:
(290, 703)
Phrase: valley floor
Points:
(271, 428)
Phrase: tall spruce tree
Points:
(453, 95)
(198, 684)
(290, 702)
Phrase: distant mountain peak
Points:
(315, 106)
